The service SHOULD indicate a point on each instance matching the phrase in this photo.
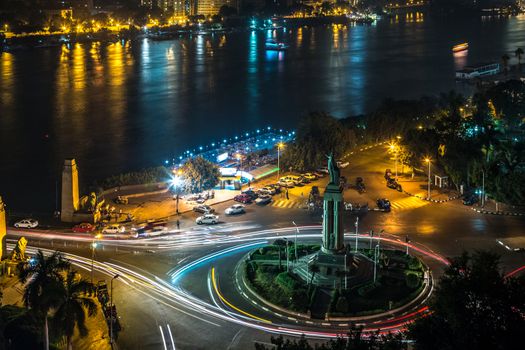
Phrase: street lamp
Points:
(296, 233)
(111, 309)
(287, 257)
(279, 146)
(239, 159)
(429, 161)
(93, 247)
(176, 182)
(376, 253)
(356, 230)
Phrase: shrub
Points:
(414, 264)
(341, 305)
(412, 280)
(367, 288)
(287, 282)
(145, 176)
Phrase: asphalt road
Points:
(151, 317)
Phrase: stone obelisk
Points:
(333, 234)
(70, 194)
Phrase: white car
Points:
(26, 223)
(286, 183)
(114, 229)
(264, 199)
(208, 219)
(309, 176)
(235, 209)
(342, 164)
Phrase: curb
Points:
(432, 200)
(502, 213)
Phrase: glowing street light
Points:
(176, 182)
(279, 146)
(429, 161)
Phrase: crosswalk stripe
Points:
(286, 204)
(409, 203)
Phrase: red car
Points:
(83, 228)
(243, 198)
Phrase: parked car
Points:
(250, 192)
(269, 189)
(392, 183)
(27, 223)
(309, 176)
(383, 204)
(203, 209)
(323, 170)
(114, 229)
(263, 200)
(470, 199)
(207, 219)
(121, 200)
(275, 187)
(235, 209)
(286, 183)
(342, 164)
(319, 174)
(243, 198)
(264, 191)
(84, 227)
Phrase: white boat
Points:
(277, 46)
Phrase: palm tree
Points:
(519, 53)
(41, 275)
(73, 299)
(505, 59)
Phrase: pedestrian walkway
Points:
(284, 203)
(408, 203)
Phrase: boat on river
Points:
(276, 46)
(460, 47)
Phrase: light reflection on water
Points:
(128, 105)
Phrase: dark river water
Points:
(128, 105)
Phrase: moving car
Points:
(26, 223)
(263, 200)
(114, 229)
(323, 170)
(383, 204)
(203, 209)
(84, 227)
(208, 219)
(342, 164)
(150, 227)
(243, 198)
(235, 209)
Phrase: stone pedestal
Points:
(3, 231)
(70, 193)
(333, 234)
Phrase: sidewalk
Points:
(418, 187)
(490, 207)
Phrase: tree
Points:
(226, 11)
(519, 53)
(505, 59)
(474, 307)
(199, 175)
(41, 276)
(318, 135)
(72, 300)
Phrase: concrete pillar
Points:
(333, 230)
(70, 194)
(3, 231)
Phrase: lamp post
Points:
(429, 161)
(279, 146)
(356, 231)
(393, 148)
(376, 253)
(239, 159)
(483, 189)
(295, 245)
(176, 182)
(93, 247)
(287, 257)
(111, 309)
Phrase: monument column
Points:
(70, 194)
(333, 234)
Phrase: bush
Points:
(415, 264)
(368, 288)
(145, 176)
(341, 305)
(412, 280)
(287, 282)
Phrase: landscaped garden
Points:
(399, 280)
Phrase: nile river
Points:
(124, 106)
